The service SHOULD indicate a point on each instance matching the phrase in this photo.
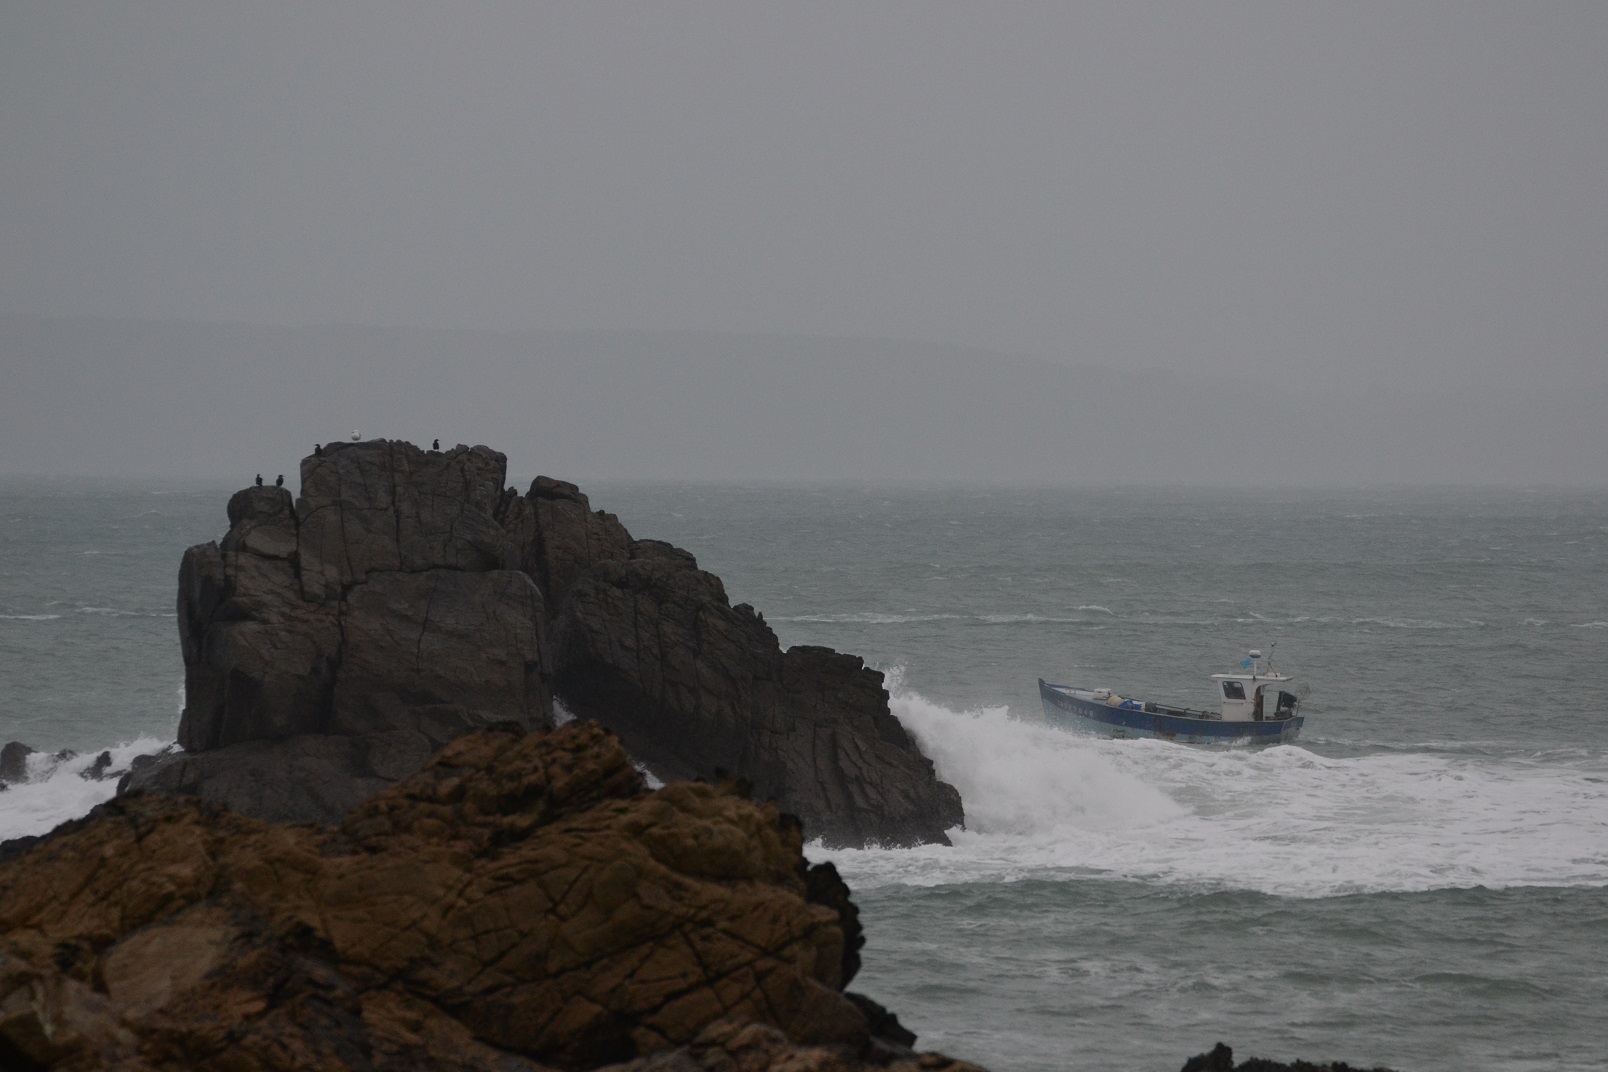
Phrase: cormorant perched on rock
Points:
(259, 480)
(318, 450)
(280, 482)
(436, 445)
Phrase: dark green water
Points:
(1422, 881)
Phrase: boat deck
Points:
(1077, 708)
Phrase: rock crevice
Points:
(521, 903)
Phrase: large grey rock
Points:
(259, 661)
(652, 648)
(384, 506)
(384, 610)
(262, 521)
(567, 537)
(441, 652)
(14, 762)
(301, 779)
(333, 643)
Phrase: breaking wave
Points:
(1043, 803)
(57, 788)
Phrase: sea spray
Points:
(57, 790)
(1042, 803)
(1025, 779)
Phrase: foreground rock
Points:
(522, 903)
(334, 643)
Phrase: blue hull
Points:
(1073, 712)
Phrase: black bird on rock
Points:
(259, 480)
(318, 450)
(280, 482)
(436, 445)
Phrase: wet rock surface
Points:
(407, 597)
(651, 646)
(521, 903)
(14, 762)
(333, 643)
(1221, 1059)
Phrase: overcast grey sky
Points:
(1357, 193)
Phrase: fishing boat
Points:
(1258, 706)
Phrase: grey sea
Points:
(1421, 881)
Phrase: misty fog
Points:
(1163, 243)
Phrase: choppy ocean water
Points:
(1421, 881)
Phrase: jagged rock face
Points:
(259, 661)
(1221, 1059)
(738, 1046)
(568, 537)
(310, 776)
(521, 903)
(385, 610)
(407, 597)
(651, 647)
(14, 762)
(390, 507)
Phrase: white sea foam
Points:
(118, 612)
(868, 618)
(879, 618)
(1044, 803)
(56, 792)
(28, 617)
(1012, 619)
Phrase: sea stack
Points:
(332, 644)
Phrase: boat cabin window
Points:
(1233, 690)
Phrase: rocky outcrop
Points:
(387, 599)
(309, 777)
(567, 537)
(651, 647)
(522, 903)
(648, 644)
(334, 642)
(14, 762)
(1221, 1059)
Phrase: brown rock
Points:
(520, 903)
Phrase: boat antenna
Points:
(1270, 652)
